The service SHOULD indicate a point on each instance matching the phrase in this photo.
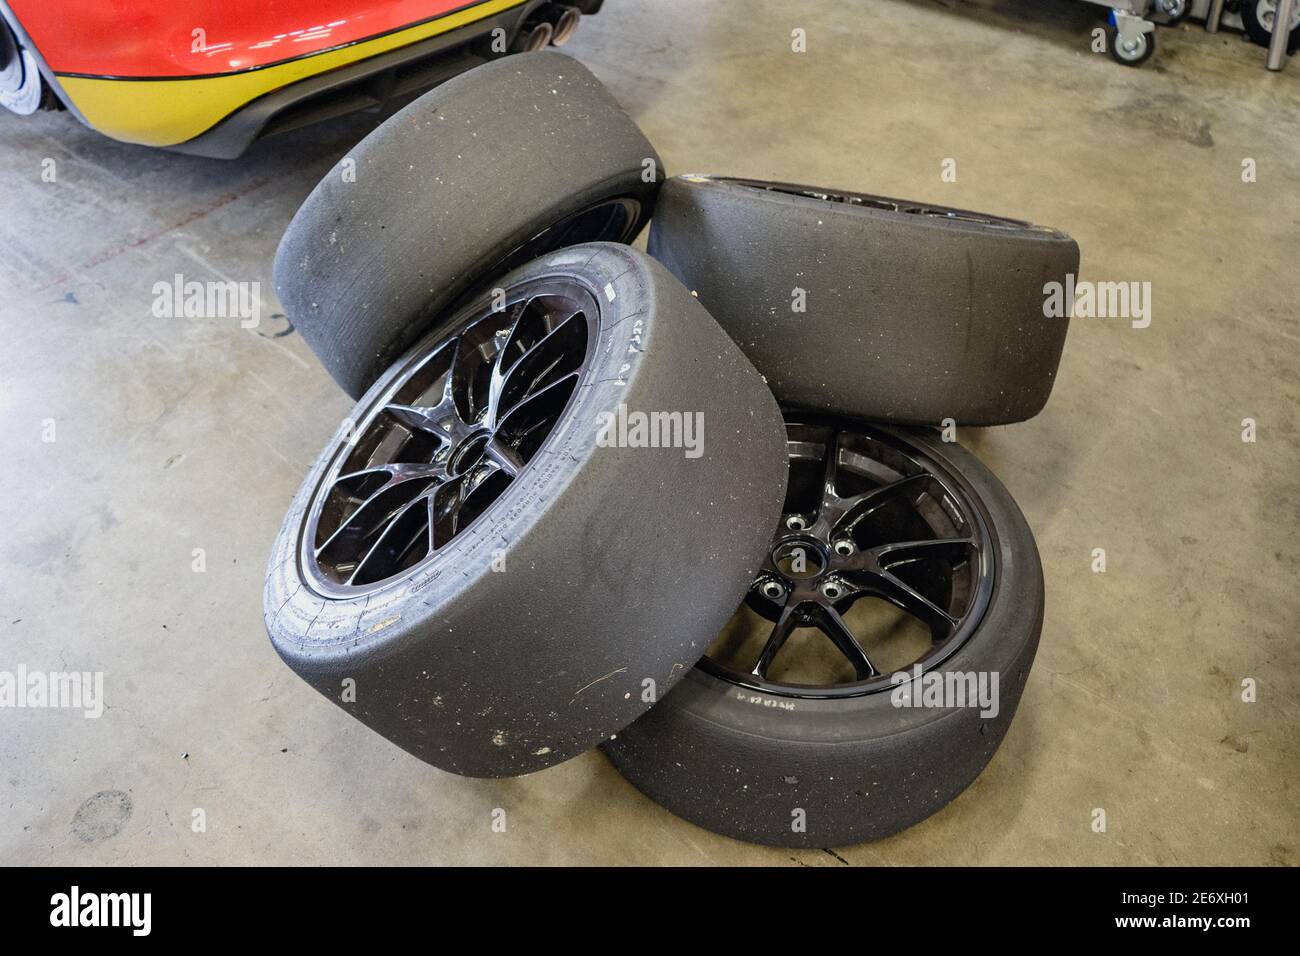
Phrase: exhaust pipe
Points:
(533, 36)
(565, 24)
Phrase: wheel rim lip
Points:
(630, 210)
(903, 207)
(982, 529)
(466, 318)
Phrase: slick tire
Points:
(487, 571)
(832, 763)
(889, 310)
(491, 169)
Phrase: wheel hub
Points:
(799, 559)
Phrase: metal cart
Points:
(1133, 24)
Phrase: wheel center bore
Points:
(800, 559)
(468, 452)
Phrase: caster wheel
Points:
(1174, 11)
(1131, 52)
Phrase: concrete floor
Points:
(176, 434)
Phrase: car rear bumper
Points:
(220, 115)
(372, 84)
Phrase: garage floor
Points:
(179, 434)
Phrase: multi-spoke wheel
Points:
(871, 522)
(852, 304)
(475, 570)
(899, 561)
(452, 433)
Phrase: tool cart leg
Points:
(1281, 35)
(1214, 16)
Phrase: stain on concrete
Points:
(1172, 117)
(102, 816)
(1235, 743)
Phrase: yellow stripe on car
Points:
(171, 111)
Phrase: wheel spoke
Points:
(831, 507)
(504, 457)
(548, 339)
(550, 398)
(422, 417)
(458, 386)
(397, 472)
(395, 540)
(446, 504)
(517, 314)
(903, 552)
(781, 630)
(378, 509)
(860, 506)
(457, 502)
(503, 362)
(907, 598)
(434, 418)
(832, 466)
(483, 485)
(830, 623)
(531, 372)
(430, 520)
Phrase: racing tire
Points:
(793, 752)
(900, 312)
(486, 172)
(485, 565)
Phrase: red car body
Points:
(209, 76)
